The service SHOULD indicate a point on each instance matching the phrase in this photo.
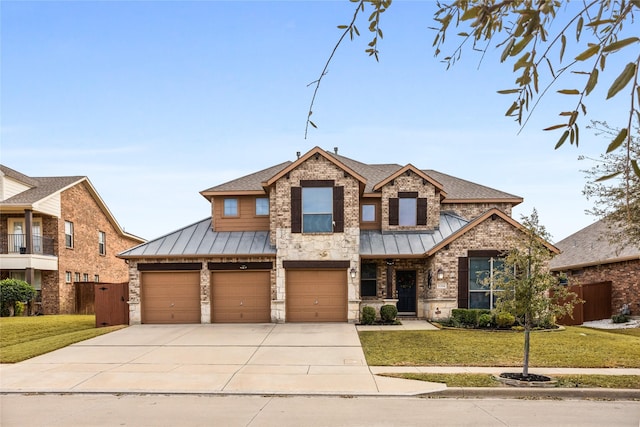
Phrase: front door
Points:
(406, 288)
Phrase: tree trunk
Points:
(527, 330)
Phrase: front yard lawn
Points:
(563, 381)
(574, 347)
(22, 338)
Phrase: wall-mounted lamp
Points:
(352, 272)
(440, 274)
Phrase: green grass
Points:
(563, 381)
(574, 347)
(22, 338)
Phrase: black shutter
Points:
(394, 212)
(422, 212)
(296, 210)
(463, 282)
(338, 209)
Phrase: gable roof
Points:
(456, 190)
(45, 187)
(590, 246)
(409, 168)
(493, 214)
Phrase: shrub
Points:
(388, 313)
(368, 315)
(504, 319)
(620, 318)
(468, 317)
(13, 291)
(485, 320)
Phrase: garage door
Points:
(170, 297)
(316, 295)
(241, 297)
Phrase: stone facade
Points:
(625, 282)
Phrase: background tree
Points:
(13, 291)
(530, 291)
(521, 28)
(616, 199)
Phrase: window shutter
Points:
(296, 209)
(338, 209)
(394, 212)
(463, 282)
(422, 212)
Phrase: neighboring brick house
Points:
(590, 260)
(317, 238)
(57, 231)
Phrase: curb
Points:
(536, 393)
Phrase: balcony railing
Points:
(17, 244)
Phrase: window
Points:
(102, 247)
(68, 234)
(368, 213)
(317, 209)
(262, 206)
(368, 280)
(67, 276)
(230, 207)
(482, 293)
(408, 208)
(76, 277)
(96, 278)
(85, 277)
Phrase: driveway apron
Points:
(291, 358)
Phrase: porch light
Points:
(440, 274)
(352, 272)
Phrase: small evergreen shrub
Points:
(620, 318)
(468, 317)
(368, 315)
(504, 319)
(388, 313)
(13, 291)
(485, 319)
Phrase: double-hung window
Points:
(68, 234)
(368, 279)
(317, 209)
(407, 211)
(262, 206)
(230, 207)
(482, 291)
(102, 243)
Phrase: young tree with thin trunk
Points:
(529, 291)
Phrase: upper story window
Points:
(317, 206)
(230, 207)
(68, 234)
(482, 292)
(317, 210)
(368, 213)
(408, 209)
(67, 277)
(76, 277)
(102, 243)
(85, 277)
(262, 206)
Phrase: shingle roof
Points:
(377, 243)
(590, 246)
(455, 188)
(199, 239)
(41, 187)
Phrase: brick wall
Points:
(411, 183)
(469, 211)
(79, 207)
(625, 282)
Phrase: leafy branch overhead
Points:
(521, 29)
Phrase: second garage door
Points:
(170, 297)
(240, 297)
(316, 295)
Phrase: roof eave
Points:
(596, 263)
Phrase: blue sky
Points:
(156, 101)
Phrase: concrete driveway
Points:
(308, 359)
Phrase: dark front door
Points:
(406, 287)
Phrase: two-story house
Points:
(57, 231)
(317, 238)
